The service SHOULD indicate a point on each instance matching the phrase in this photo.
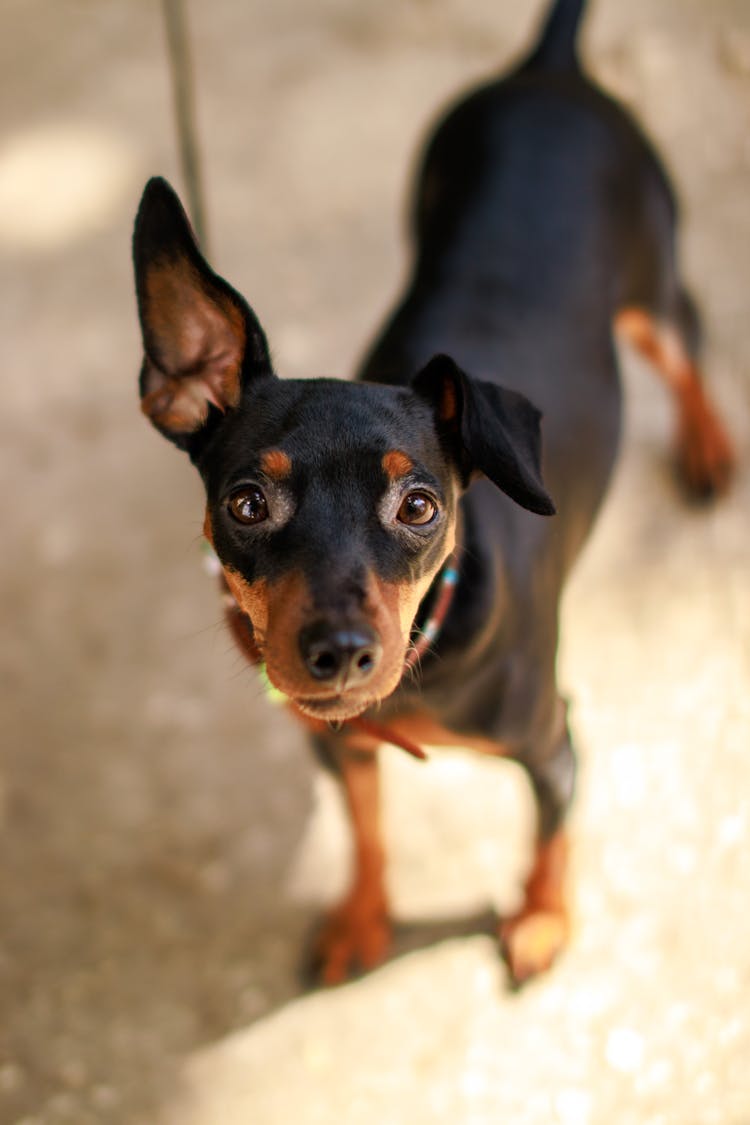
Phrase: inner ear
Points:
(440, 382)
(194, 342)
(201, 340)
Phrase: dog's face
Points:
(331, 505)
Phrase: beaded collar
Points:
(444, 587)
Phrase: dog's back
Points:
(540, 211)
(542, 218)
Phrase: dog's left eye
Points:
(249, 506)
(417, 509)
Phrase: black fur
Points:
(540, 211)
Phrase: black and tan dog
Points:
(387, 598)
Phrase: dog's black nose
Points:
(348, 655)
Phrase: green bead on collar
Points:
(273, 695)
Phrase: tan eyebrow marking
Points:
(396, 464)
(276, 464)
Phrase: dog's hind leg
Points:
(705, 458)
(656, 315)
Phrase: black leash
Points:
(184, 106)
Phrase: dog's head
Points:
(331, 505)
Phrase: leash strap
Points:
(180, 62)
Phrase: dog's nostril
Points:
(323, 662)
(366, 662)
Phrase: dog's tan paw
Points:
(705, 456)
(355, 936)
(532, 940)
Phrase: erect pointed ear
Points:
(494, 430)
(200, 338)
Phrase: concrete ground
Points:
(166, 841)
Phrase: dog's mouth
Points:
(333, 708)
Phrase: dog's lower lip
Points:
(319, 701)
(333, 708)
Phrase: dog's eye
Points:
(417, 509)
(249, 506)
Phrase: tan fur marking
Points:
(251, 597)
(279, 610)
(400, 601)
(533, 938)
(705, 454)
(396, 464)
(358, 931)
(448, 401)
(655, 343)
(276, 464)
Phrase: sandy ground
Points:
(166, 841)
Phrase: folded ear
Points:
(201, 340)
(495, 431)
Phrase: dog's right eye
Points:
(417, 509)
(249, 505)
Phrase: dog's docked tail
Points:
(557, 47)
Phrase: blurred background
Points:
(167, 842)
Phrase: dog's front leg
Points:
(533, 938)
(357, 932)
